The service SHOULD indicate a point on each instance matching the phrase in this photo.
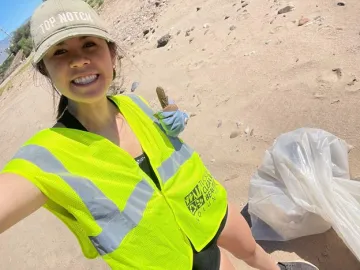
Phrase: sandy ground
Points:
(267, 73)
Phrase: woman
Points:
(109, 170)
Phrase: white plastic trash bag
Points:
(303, 188)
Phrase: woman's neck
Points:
(95, 117)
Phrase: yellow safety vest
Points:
(112, 206)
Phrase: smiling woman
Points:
(80, 83)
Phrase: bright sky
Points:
(14, 12)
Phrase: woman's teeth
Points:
(86, 79)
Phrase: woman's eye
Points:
(89, 44)
(59, 52)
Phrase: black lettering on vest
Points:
(203, 193)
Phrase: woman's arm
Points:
(18, 199)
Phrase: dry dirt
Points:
(267, 74)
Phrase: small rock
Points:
(232, 177)
(319, 96)
(169, 48)
(213, 160)
(187, 33)
(227, 17)
(206, 32)
(192, 28)
(234, 4)
(163, 41)
(335, 101)
(219, 123)
(178, 32)
(238, 9)
(206, 25)
(234, 134)
(157, 3)
(267, 42)
(302, 21)
(134, 86)
(352, 82)
(341, 4)
(238, 124)
(192, 114)
(285, 9)
(191, 40)
(232, 28)
(247, 130)
(242, 1)
(153, 31)
(338, 72)
(250, 53)
(198, 8)
(244, 5)
(145, 32)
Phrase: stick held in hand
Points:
(164, 100)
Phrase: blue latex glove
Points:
(172, 122)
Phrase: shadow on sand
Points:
(327, 251)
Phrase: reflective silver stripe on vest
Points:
(181, 154)
(115, 225)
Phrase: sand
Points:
(242, 69)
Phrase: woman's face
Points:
(81, 68)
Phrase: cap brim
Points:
(66, 34)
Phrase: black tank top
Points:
(69, 121)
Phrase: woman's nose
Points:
(79, 61)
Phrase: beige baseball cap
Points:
(57, 20)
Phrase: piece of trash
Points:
(134, 86)
(303, 187)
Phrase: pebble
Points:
(234, 134)
(232, 177)
(213, 160)
(285, 9)
(244, 5)
(134, 86)
(250, 53)
(163, 40)
(145, 32)
(178, 32)
(302, 21)
(227, 17)
(352, 82)
(338, 72)
(341, 4)
(232, 28)
(219, 123)
(206, 25)
(249, 131)
(187, 33)
(191, 40)
(198, 8)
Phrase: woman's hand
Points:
(173, 122)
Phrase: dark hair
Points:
(64, 101)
